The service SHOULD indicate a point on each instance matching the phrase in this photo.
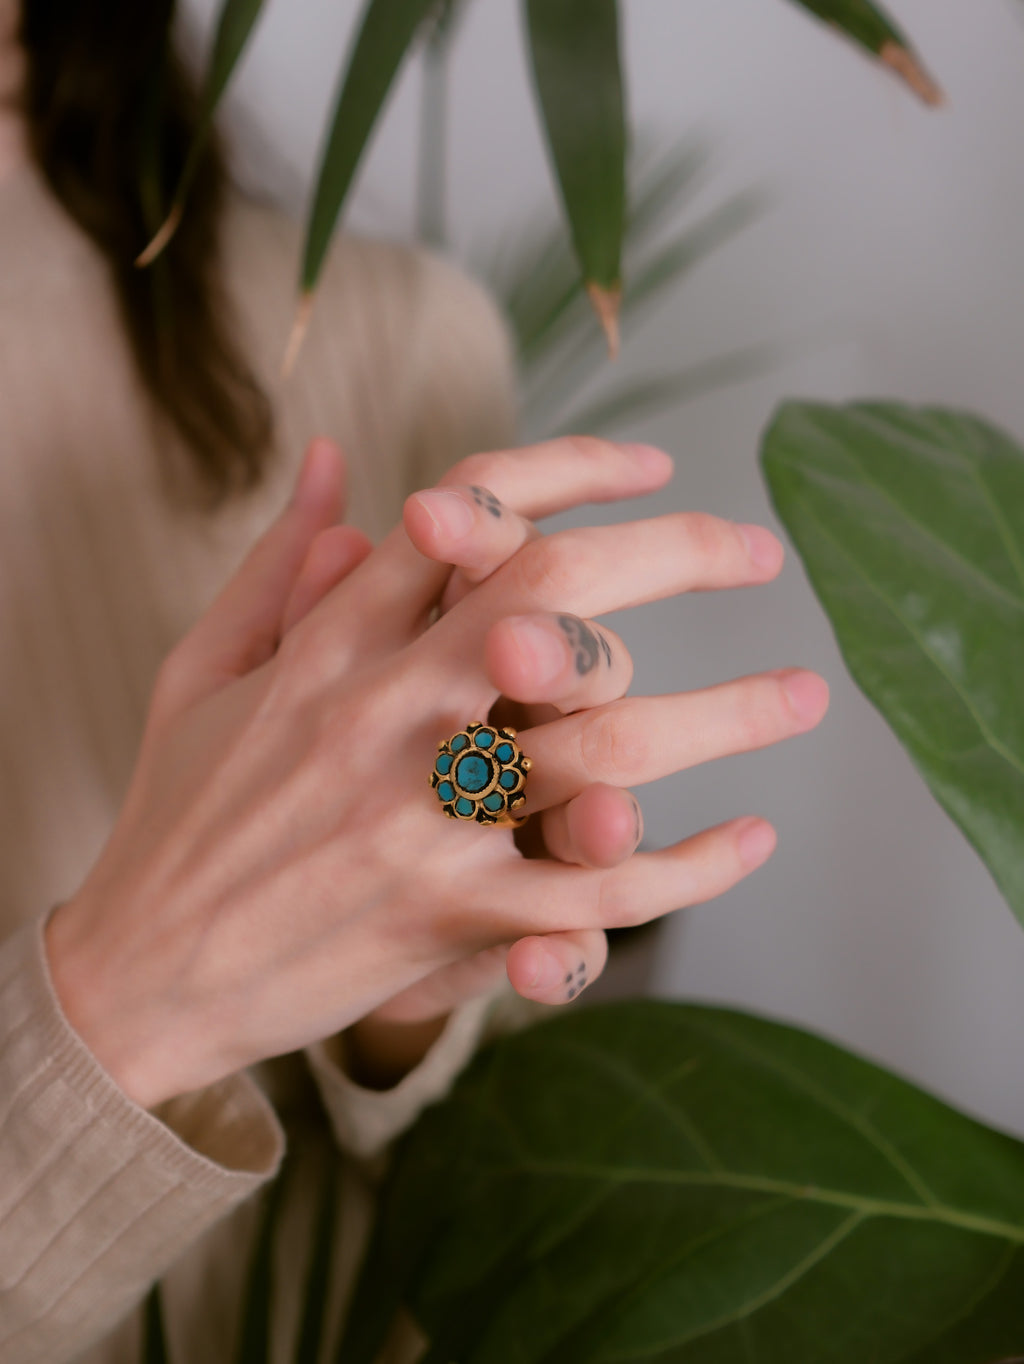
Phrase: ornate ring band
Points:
(480, 775)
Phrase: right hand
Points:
(281, 868)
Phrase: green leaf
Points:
(910, 526)
(870, 26)
(574, 50)
(684, 1185)
(386, 32)
(154, 1337)
(234, 28)
(254, 1331)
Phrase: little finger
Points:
(557, 967)
(647, 886)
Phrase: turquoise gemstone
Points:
(460, 741)
(473, 773)
(444, 764)
(504, 753)
(494, 801)
(483, 738)
(446, 791)
(464, 806)
(508, 780)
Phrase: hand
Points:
(279, 870)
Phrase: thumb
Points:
(243, 626)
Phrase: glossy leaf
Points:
(686, 1185)
(234, 28)
(869, 25)
(386, 32)
(911, 527)
(574, 52)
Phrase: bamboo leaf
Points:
(682, 1185)
(385, 35)
(872, 28)
(644, 397)
(154, 1337)
(574, 50)
(234, 28)
(911, 527)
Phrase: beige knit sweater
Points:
(407, 365)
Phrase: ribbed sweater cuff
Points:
(365, 1121)
(97, 1195)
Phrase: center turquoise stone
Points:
(473, 772)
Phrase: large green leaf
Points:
(385, 34)
(911, 526)
(870, 26)
(574, 51)
(234, 28)
(658, 1182)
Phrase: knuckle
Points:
(706, 535)
(613, 747)
(547, 569)
(590, 449)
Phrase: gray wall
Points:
(894, 254)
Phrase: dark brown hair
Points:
(111, 113)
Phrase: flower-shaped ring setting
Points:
(480, 775)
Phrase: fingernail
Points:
(542, 652)
(651, 459)
(756, 843)
(762, 546)
(450, 512)
(807, 694)
(548, 971)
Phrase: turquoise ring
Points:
(480, 774)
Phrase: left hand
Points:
(475, 525)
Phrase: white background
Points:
(893, 254)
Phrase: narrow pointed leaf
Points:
(386, 32)
(682, 1185)
(574, 50)
(234, 29)
(870, 26)
(911, 527)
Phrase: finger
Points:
(397, 586)
(556, 968)
(550, 895)
(560, 659)
(466, 528)
(332, 556)
(591, 570)
(601, 827)
(242, 628)
(643, 738)
(540, 480)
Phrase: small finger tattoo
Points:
(585, 642)
(483, 497)
(605, 649)
(571, 994)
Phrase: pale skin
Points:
(281, 870)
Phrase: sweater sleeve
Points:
(97, 1195)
